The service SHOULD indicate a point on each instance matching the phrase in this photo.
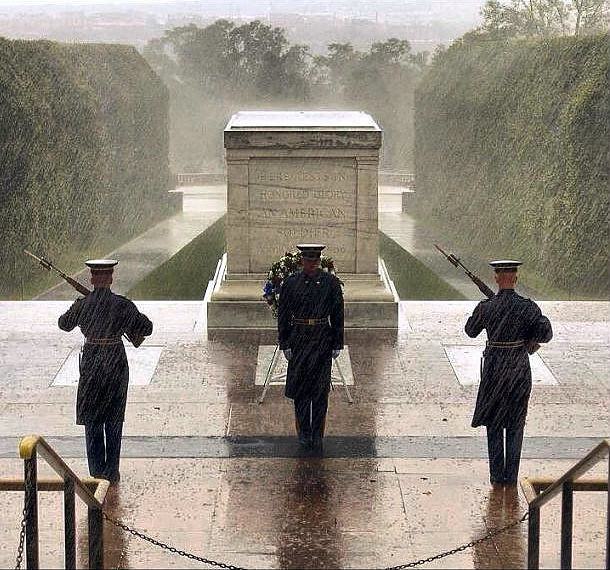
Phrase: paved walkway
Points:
(208, 470)
(202, 206)
(419, 240)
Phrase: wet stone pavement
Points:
(403, 476)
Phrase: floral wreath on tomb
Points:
(284, 267)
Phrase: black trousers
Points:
(311, 416)
(504, 466)
(103, 456)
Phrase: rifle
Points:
(478, 282)
(530, 345)
(48, 265)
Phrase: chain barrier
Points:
(167, 547)
(19, 558)
(488, 536)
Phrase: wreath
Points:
(284, 267)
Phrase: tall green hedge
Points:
(83, 154)
(512, 147)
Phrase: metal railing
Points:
(539, 491)
(199, 178)
(91, 491)
(396, 178)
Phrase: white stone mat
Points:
(142, 365)
(265, 354)
(466, 363)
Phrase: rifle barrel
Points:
(449, 256)
(455, 261)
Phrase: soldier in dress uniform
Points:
(310, 330)
(104, 373)
(512, 323)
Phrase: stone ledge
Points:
(245, 314)
(360, 290)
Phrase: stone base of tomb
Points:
(236, 303)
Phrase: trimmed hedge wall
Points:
(512, 148)
(83, 155)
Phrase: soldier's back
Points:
(510, 316)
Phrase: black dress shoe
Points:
(113, 477)
(304, 442)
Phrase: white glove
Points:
(336, 353)
(288, 353)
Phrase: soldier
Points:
(310, 330)
(512, 323)
(104, 373)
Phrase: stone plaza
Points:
(208, 470)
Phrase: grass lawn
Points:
(412, 279)
(185, 276)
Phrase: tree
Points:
(214, 70)
(541, 18)
(590, 16)
(333, 68)
(222, 59)
(379, 81)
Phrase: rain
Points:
(291, 284)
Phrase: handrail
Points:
(101, 485)
(539, 484)
(29, 448)
(32, 443)
(567, 484)
(592, 458)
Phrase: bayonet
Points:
(455, 261)
(48, 265)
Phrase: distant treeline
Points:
(222, 68)
(511, 156)
(83, 154)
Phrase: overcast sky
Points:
(21, 3)
(266, 3)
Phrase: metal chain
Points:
(19, 559)
(488, 536)
(169, 548)
(492, 533)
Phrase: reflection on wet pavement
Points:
(208, 470)
(307, 533)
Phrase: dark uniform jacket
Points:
(506, 378)
(304, 297)
(104, 372)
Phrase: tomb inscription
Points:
(293, 200)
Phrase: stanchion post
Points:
(96, 538)
(567, 511)
(69, 524)
(533, 538)
(31, 511)
(608, 522)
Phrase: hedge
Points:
(511, 155)
(83, 155)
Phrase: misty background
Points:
(217, 57)
(498, 108)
